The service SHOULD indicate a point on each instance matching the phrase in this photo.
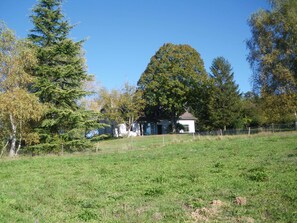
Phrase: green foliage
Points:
(17, 106)
(50, 26)
(169, 81)
(60, 76)
(273, 49)
(252, 110)
(109, 103)
(257, 174)
(200, 105)
(131, 104)
(154, 192)
(166, 183)
(279, 108)
(87, 215)
(121, 106)
(224, 101)
(178, 127)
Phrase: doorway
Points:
(160, 130)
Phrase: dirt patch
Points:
(207, 213)
(141, 210)
(157, 216)
(245, 220)
(217, 203)
(240, 201)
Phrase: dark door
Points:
(160, 130)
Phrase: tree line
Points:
(47, 104)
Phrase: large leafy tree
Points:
(225, 99)
(273, 50)
(60, 75)
(17, 106)
(169, 81)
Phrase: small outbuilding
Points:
(187, 120)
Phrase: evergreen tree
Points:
(225, 98)
(60, 74)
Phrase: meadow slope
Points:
(229, 179)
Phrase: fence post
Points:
(249, 130)
(131, 142)
(296, 125)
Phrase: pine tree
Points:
(225, 98)
(60, 74)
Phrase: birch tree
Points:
(121, 106)
(131, 105)
(17, 105)
(273, 50)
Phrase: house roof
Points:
(187, 116)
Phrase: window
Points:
(186, 128)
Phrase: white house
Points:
(187, 120)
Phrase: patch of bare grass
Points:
(206, 214)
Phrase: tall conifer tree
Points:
(60, 73)
(225, 98)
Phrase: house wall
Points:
(148, 128)
(190, 123)
(165, 124)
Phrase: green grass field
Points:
(184, 180)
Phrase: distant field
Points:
(185, 179)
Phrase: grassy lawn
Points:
(185, 180)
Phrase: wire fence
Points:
(252, 130)
(154, 141)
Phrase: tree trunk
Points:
(295, 120)
(12, 151)
(142, 133)
(129, 124)
(3, 149)
(113, 133)
(20, 140)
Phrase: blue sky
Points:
(122, 35)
